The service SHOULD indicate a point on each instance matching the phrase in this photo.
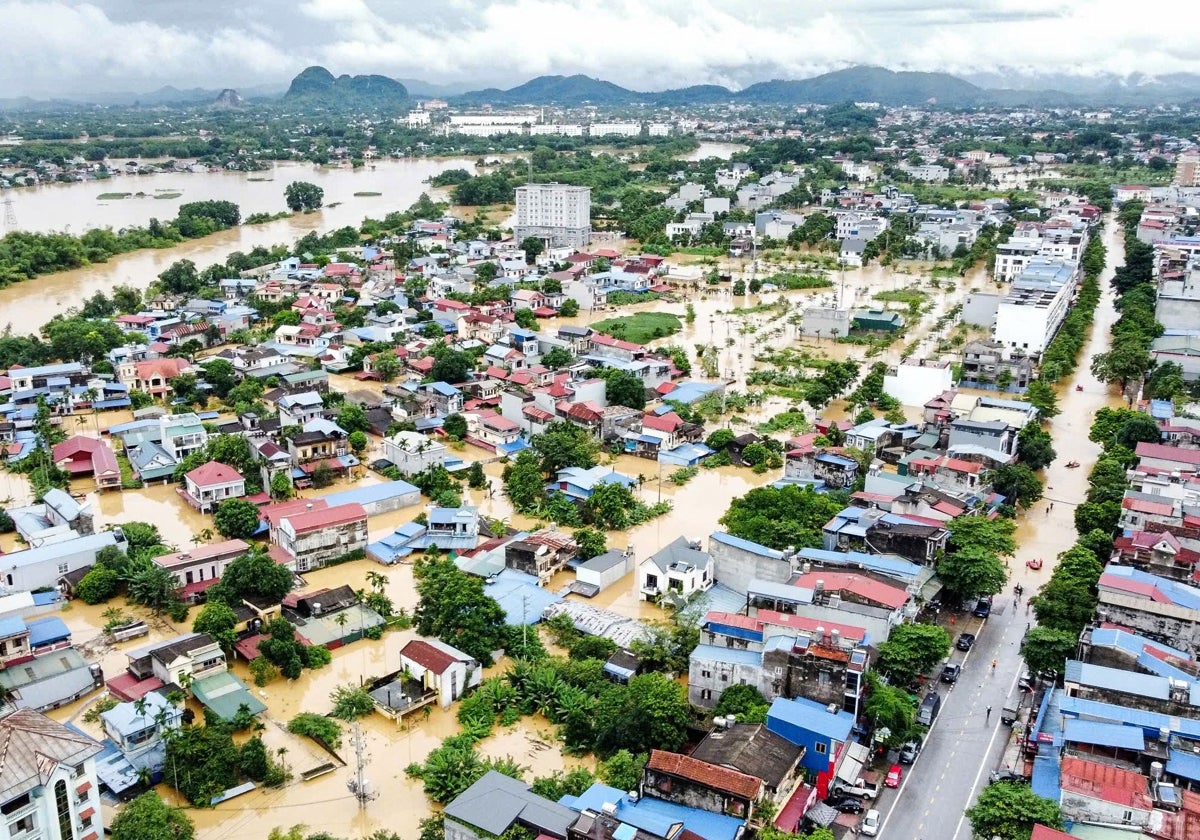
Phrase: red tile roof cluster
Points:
(166, 367)
(811, 625)
(1162, 452)
(274, 514)
(709, 775)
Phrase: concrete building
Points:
(198, 568)
(679, 569)
(413, 452)
(42, 566)
(1178, 304)
(313, 537)
(210, 484)
(1030, 314)
(914, 381)
(698, 784)
(557, 213)
(826, 321)
(496, 803)
(1012, 257)
(441, 668)
(48, 778)
(1162, 609)
(739, 561)
(1187, 169)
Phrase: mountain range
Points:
(1003, 87)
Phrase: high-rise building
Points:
(561, 214)
(1187, 169)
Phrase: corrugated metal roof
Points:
(1104, 734)
(1116, 679)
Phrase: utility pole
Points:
(359, 786)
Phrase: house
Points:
(57, 515)
(821, 732)
(603, 570)
(412, 452)
(150, 462)
(48, 779)
(321, 440)
(679, 570)
(1162, 609)
(313, 537)
(138, 729)
(606, 813)
(181, 434)
(153, 376)
(453, 529)
(754, 750)
(689, 781)
(82, 456)
(493, 431)
(739, 561)
(41, 567)
(22, 640)
(200, 567)
(541, 554)
(496, 803)
(48, 682)
(210, 484)
(299, 409)
(186, 658)
(578, 484)
(441, 668)
(445, 398)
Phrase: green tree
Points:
(98, 585)
(217, 620)
(1034, 447)
(558, 357)
(455, 425)
(591, 542)
(281, 487)
(1166, 382)
(220, 375)
(911, 650)
(532, 246)
(353, 418)
(1097, 516)
(302, 195)
(564, 444)
(523, 482)
(450, 769)
(236, 518)
(476, 478)
(890, 707)
(1017, 483)
(525, 319)
(779, 517)
(453, 606)
(387, 365)
(254, 575)
(1047, 650)
(995, 535)
(623, 770)
(1141, 428)
(569, 309)
(1066, 601)
(610, 506)
(358, 442)
(201, 761)
(1043, 398)
(148, 816)
(719, 439)
(180, 278)
(453, 366)
(971, 572)
(743, 701)
(350, 702)
(652, 712)
(1010, 810)
(558, 784)
(1125, 362)
(152, 586)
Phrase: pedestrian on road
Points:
(989, 714)
(993, 668)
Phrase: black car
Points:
(908, 752)
(950, 672)
(965, 641)
(983, 608)
(845, 804)
(1006, 776)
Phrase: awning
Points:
(853, 759)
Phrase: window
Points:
(21, 826)
(823, 678)
(63, 804)
(62, 568)
(706, 674)
(706, 694)
(724, 678)
(822, 747)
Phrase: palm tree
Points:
(377, 580)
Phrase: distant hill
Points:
(561, 90)
(229, 98)
(318, 84)
(866, 84)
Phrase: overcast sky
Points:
(59, 47)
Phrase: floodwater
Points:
(708, 149)
(29, 304)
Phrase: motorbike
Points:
(1072, 465)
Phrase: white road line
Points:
(983, 764)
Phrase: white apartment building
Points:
(623, 129)
(1012, 257)
(1187, 169)
(560, 129)
(1038, 300)
(48, 774)
(486, 125)
(559, 213)
(658, 129)
(418, 119)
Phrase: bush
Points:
(318, 727)
(98, 585)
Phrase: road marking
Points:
(983, 763)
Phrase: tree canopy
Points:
(454, 607)
(780, 517)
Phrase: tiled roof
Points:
(710, 775)
(1105, 782)
(1168, 453)
(214, 472)
(864, 587)
(31, 745)
(329, 517)
(428, 656)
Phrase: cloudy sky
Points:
(60, 47)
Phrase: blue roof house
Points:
(578, 484)
(822, 733)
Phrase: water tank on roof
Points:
(1156, 770)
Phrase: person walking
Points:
(988, 716)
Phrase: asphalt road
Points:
(965, 744)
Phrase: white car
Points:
(870, 824)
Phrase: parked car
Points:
(965, 641)
(950, 672)
(1006, 776)
(870, 824)
(861, 788)
(909, 752)
(845, 804)
(983, 607)
(894, 775)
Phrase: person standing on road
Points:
(988, 716)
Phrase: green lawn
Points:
(640, 327)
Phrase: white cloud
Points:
(67, 47)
